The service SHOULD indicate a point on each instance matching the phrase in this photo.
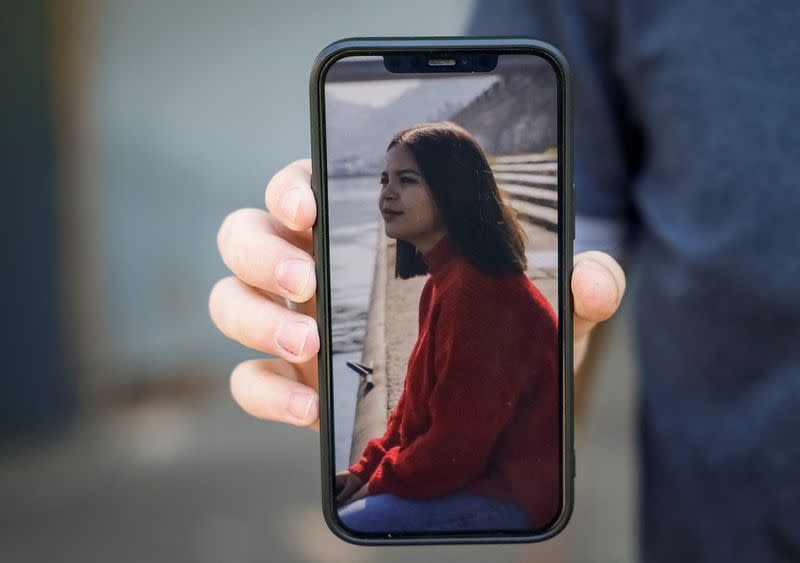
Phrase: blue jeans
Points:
(460, 511)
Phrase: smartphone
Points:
(442, 169)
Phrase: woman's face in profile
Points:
(408, 210)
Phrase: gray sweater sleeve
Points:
(603, 129)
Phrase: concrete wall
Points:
(192, 107)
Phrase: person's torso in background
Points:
(697, 140)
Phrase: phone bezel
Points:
(380, 46)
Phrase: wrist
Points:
(359, 471)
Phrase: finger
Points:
(251, 248)
(359, 494)
(289, 196)
(245, 315)
(598, 284)
(349, 490)
(262, 392)
(345, 493)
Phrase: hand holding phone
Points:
(249, 306)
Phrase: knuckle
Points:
(239, 386)
(226, 235)
(215, 300)
(223, 234)
(231, 307)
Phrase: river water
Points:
(353, 220)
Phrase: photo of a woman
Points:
(473, 443)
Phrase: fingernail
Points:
(291, 203)
(293, 275)
(303, 406)
(292, 336)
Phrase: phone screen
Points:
(443, 230)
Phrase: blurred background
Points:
(130, 129)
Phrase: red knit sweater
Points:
(480, 406)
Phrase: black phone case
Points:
(566, 231)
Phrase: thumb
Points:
(598, 284)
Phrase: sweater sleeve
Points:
(377, 447)
(480, 374)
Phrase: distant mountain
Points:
(361, 133)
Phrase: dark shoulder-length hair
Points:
(482, 227)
